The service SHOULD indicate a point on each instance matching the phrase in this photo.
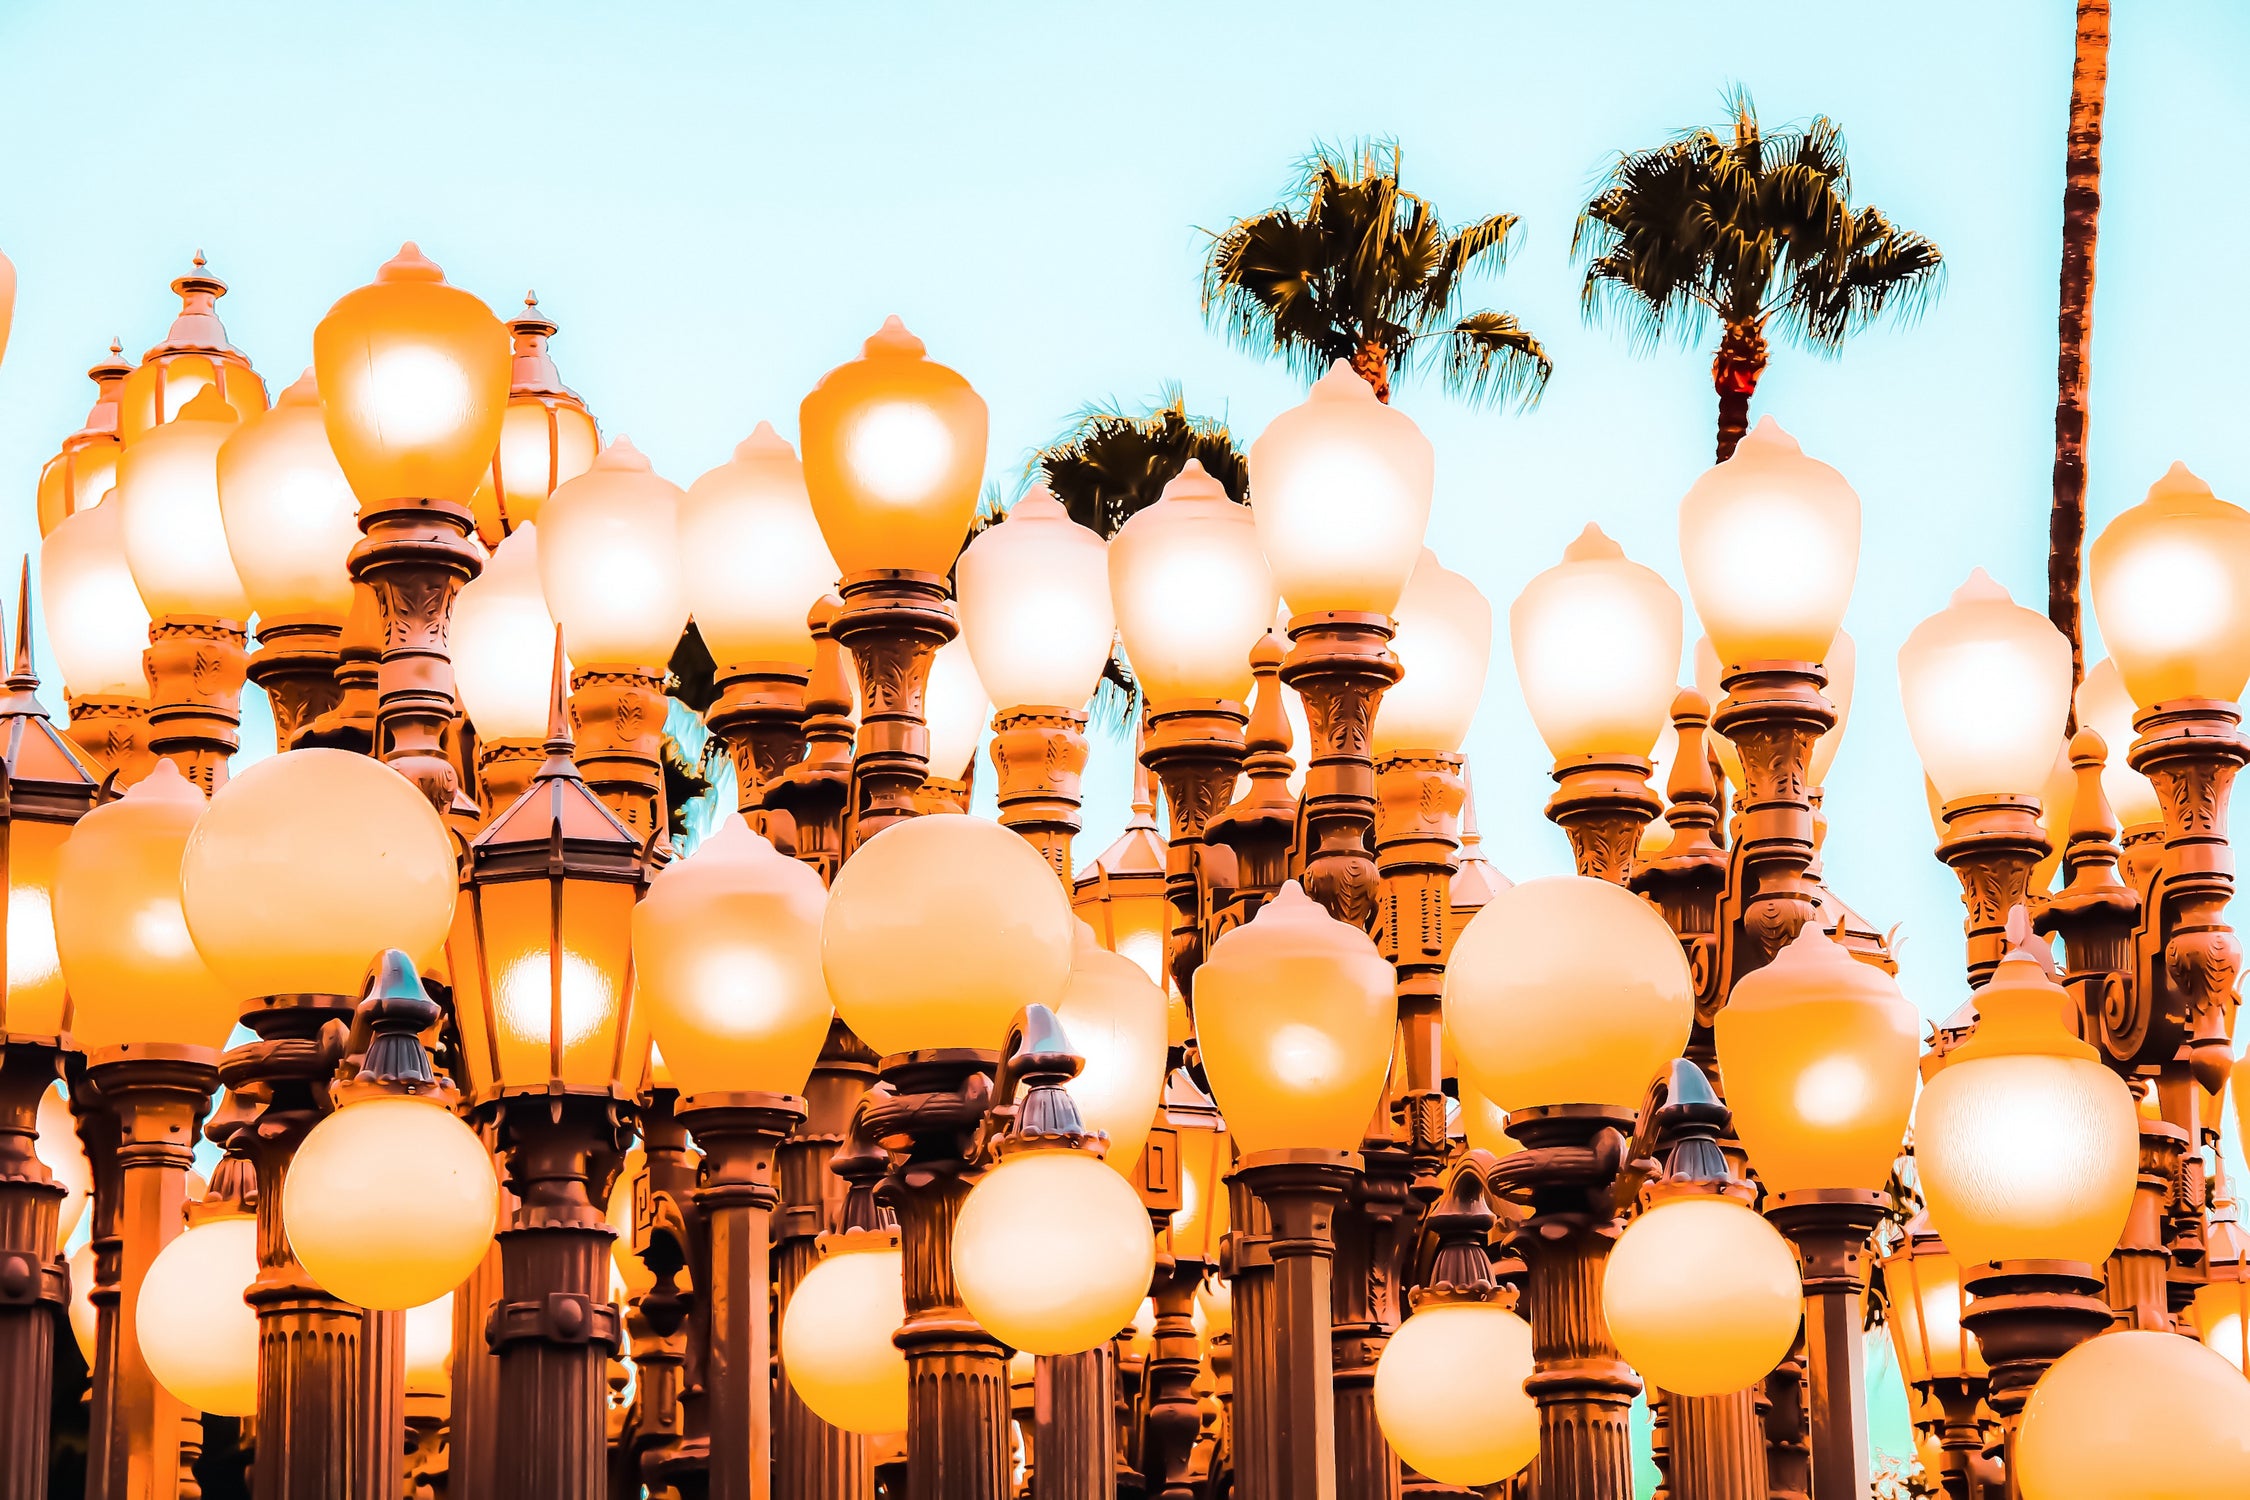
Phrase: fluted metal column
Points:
(32, 1281)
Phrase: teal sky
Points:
(718, 203)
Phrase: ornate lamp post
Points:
(99, 629)
(1936, 1352)
(194, 357)
(84, 468)
(547, 436)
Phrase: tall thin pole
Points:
(2082, 207)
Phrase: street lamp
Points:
(502, 639)
(2170, 579)
(194, 357)
(2106, 708)
(84, 469)
(99, 629)
(956, 712)
(547, 437)
(2086, 1431)
(198, 1334)
(1118, 1025)
(1923, 1305)
(754, 563)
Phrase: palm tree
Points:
(1353, 267)
(1752, 230)
(2082, 206)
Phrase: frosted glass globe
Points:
(752, 556)
(290, 515)
(96, 620)
(1702, 1296)
(1597, 648)
(609, 561)
(199, 1337)
(1116, 1019)
(1443, 642)
(836, 1338)
(939, 930)
(65, 1156)
(1986, 685)
(1035, 606)
(503, 643)
(429, 1347)
(1192, 591)
(1770, 543)
(1449, 1393)
(2136, 1415)
(2170, 580)
(391, 1202)
(168, 493)
(1053, 1252)
(956, 708)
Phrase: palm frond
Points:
(1488, 357)
(1109, 465)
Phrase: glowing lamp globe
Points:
(836, 1336)
(59, 1148)
(609, 561)
(1192, 591)
(1342, 485)
(1116, 1017)
(95, 619)
(1597, 647)
(413, 376)
(1214, 1304)
(2170, 580)
(546, 434)
(939, 930)
(503, 643)
(85, 1319)
(2106, 708)
(1443, 641)
(726, 948)
(1820, 1052)
(168, 498)
(2028, 1146)
(2136, 1415)
(429, 1348)
(1035, 607)
(752, 556)
(1702, 1295)
(307, 866)
(1986, 684)
(391, 1201)
(894, 454)
(1052, 1251)
(955, 708)
(199, 1337)
(1567, 990)
(290, 516)
(1295, 1011)
(1449, 1393)
(134, 973)
(1770, 543)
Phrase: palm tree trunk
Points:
(1372, 364)
(1734, 374)
(2082, 204)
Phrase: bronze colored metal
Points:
(196, 666)
(1170, 1420)
(807, 805)
(2026, 1315)
(2137, 1275)
(739, 1134)
(666, 1239)
(296, 666)
(2095, 912)
(505, 771)
(112, 733)
(1773, 713)
(618, 713)
(811, 1457)
(99, 1134)
(158, 1094)
(938, 795)
(1374, 1231)
(33, 1283)
(380, 1442)
(1340, 662)
(1301, 1192)
(1260, 828)
(1417, 833)
(760, 716)
(1967, 1473)
(415, 553)
(349, 722)
(1992, 843)
(1602, 803)
(1195, 746)
(1073, 1428)
(1246, 1259)
(473, 1409)
(1688, 880)
(892, 621)
(1038, 755)
(957, 1374)
(1830, 1229)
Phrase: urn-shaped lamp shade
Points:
(1770, 542)
(133, 971)
(1052, 1251)
(391, 1201)
(1597, 647)
(199, 1337)
(1567, 990)
(1702, 1295)
(2171, 585)
(307, 866)
(956, 709)
(836, 1336)
(94, 614)
(290, 515)
(752, 556)
(2136, 1415)
(1116, 1017)
(2106, 708)
(726, 945)
(168, 496)
(1449, 1393)
(413, 378)
(609, 561)
(503, 642)
(1443, 641)
(429, 1348)
(1035, 607)
(1192, 591)
(1820, 1053)
(894, 453)
(1295, 1011)
(939, 930)
(1987, 690)
(2028, 1146)
(65, 1156)
(1342, 496)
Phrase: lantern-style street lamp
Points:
(547, 436)
(84, 469)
